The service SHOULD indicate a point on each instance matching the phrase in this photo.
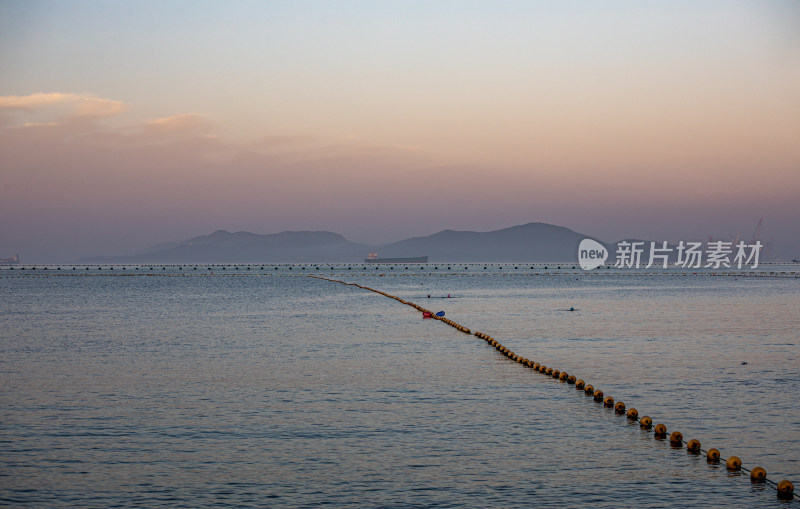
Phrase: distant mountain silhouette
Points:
(532, 242)
(245, 247)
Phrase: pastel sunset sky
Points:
(127, 124)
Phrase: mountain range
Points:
(531, 242)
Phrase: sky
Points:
(128, 124)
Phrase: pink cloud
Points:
(80, 105)
(185, 122)
(34, 101)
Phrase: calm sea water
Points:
(248, 386)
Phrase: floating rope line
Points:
(785, 489)
(488, 270)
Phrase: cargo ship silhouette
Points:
(373, 258)
(11, 261)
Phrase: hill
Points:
(532, 242)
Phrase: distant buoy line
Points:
(298, 270)
(785, 489)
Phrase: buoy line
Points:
(44, 271)
(784, 488)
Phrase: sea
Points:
(259, 386)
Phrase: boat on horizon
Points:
(373, 258)
(14, 260)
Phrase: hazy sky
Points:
(127, 124)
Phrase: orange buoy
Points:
(693, 446)
(536, 366)
(785, 490)
(579, 384)
(633, 414)
(589, 389)
(712, 455)
(549, 371)
(598, 395)
(608, 401)
(733, 463)
(571, 379)
(676, 438)
(619, 407)
(660, 431)
(556, 373)
(563, 377)
(758, 474)
(645, 422)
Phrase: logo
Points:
(686, 255)
(591, 254)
